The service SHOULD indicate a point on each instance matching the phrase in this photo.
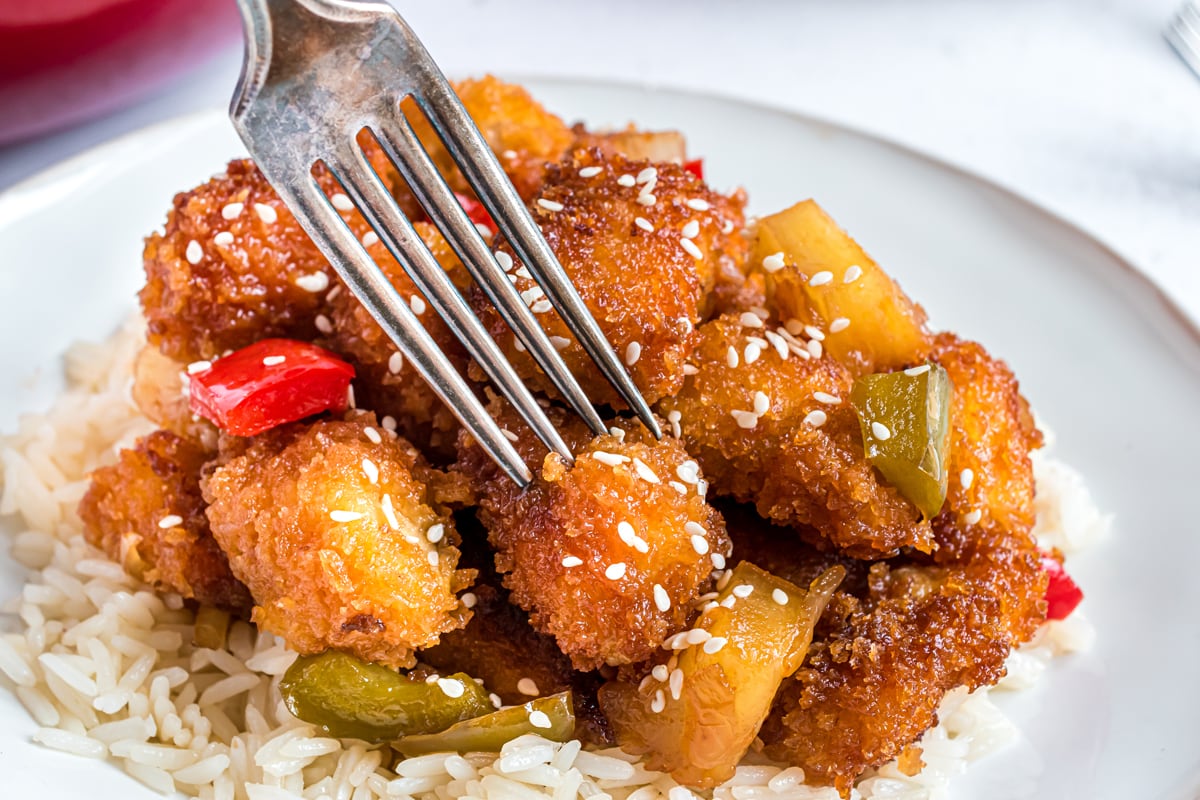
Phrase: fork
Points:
(315, 74)
(1183, 33)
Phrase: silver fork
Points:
(1184, 35)
(316, 72)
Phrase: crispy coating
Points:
(797, 473)
(633, 143)
(644, 289)
(233, 266)
(125, 509)
(330, 525)
(387, 383)
(602, 610)
(926, 624)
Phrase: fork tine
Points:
(402, 145)
(367, 191)
(347, 255)
(483, 172)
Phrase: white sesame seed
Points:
(341, 202)
(334, 292)
(632, 353)
(662, 601)
(778, 343)
(821, 278)
(626, 180)
(418, 304)
(541, 307)
(780, 597)
(388, 423)
(742, 590)
(389, 513)
(372, 434)
(266, 213)
(677, 486)
(718, 561)
(617, 434)
(697, 636)
(627, 534)
(451, 687)
(232, 210)
(559, 342)
(966, 478)
(170, 521)
(271, 361)
(509, 154)
(973, 517)
(497, 703)
(773, 262)
(815, 348)
(700, 545)
(644, 472)
(646, 174)
(531, 294)
(644, 224)
(913, 372)
(690, 369)
(432, 558)
(194, 252)
(313, 282)
(731, 357)
(698, 204)
(549, 205)
(690, 230)
(730, 601)
(527, 687)
(691, 248)
(370, 239)
(752, 352)
(469, 599)
(646, 199)
(512, 437)
(814, 332)
(435, 533)
(590, 172)
(853, 273)
(749, 319)
(815, 418)
(880, 431)
(198, 366)
(395, 362)
(762, 403)
(827, 399)
(350, 400)
(223, 239)
(674, 417)
(688, 472)
(675, 683)
(838, 325)
(323, 324)
(371, 471)
(714, 644)
(337, 515)
(571, 561)
(659, 702)
(745, 419)
(611, 459)
(616, 571)
(504, 260)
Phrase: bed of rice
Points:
(108, 670)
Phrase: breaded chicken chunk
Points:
(885, 658)
(607, 555)
(642, 256)
(385, 381)
(147, 514)
(338, 530)
(771, 425)
(160, 390)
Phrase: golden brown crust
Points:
(283, 507)
(156, 482)
(813, 477)
(598, 616)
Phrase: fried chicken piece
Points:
(753, 420)
(160, 391)
(633, 143)
(642, 286)
(606, 555)
(337, 529)
(927, 624)
(233, 266)
(386, 382)
(146, 513)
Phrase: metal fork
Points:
(1184, 35)
(316, 72)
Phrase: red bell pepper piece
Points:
(696, 167)
(1063, 595)
(476, 212)
(269, 383)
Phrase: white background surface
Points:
(1078, 104)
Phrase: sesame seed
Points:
(827, 399)
(266, 213)
(611, 459)
(194, 252)
(728, 602)
(700, 545)
(373, 435)
(718, 561)
(271, 361)
(815, 348)
(334, 292)
(632, 353)
(509, 154)
(432, 558)
(815, 418)
(418, 304)
(773, 262)
(838, 325)
(724, 579)
(697, 636)
(313, 282)
(389, 513)
(644, 472)
(531, 294)
(662, 601)
(435, 533)
(660, 671)
(497, 703)
(690, 230)
(341, 202)
(973, 517)
(745, 419)
(731, 357)
(370, 239)
(469, 599)
(350, 401)
(688, 472)
(223, 238)
(451, 687)
(674, 417)
(337, 515)
(966, 478)
(504, 260)
(538, 719)
(644, 224)
(742, 591)
(690, 369)
(880, 431)
(559, 342)
(760, 312)
(630, 537)
(626, 180)
(388, 423)
(549, 205)
(371, 471)
(659, 702)
(794, 327)
(615, 571)
(698, 204)
(702, 488)
(853, 273)
(646, 199)
(512, 437)
(814, 332)
(198, 366)
(395, 362)
(691, 248)
(778, 343)
(762, 403)
(232, 210)
(170, 521)
(677, 486)
(913, 372)
(526, 686)
(780, 597)
(541, 306)
(617, 434)
(714, 644)
(323, 324)
(571, 561)
(675, 683)
(821, 278)
(646, 174)
(749, 319)
(590, 172)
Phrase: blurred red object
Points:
(62, 61)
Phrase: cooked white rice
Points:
(107, 668)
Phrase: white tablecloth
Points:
(1077, 104)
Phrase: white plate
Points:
(1105, 358)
